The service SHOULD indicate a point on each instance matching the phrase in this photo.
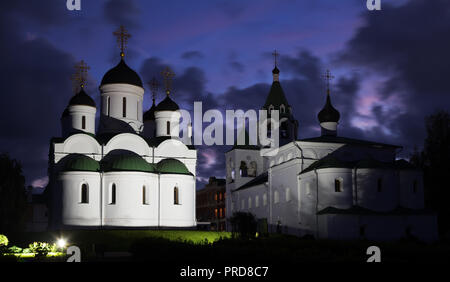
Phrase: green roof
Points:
(79, 162)
(172, 166)
(126, 162)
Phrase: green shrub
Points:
(15, 250)
(42, 248)
(3, 240)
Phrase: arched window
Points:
(84, 193)
(233, 174)
(112, 194)
(288, 194)
(282, 109)
(108, 105)
(379, 184)
(264, 199)
(215, 213)
(176, 196)
(242, 204)
(249, 202)
(308, 188)
(252, 170)
(144, 195)
(256, 201)
(83, 122)
(338, 185)
(276, 197)
(243, 169)
(124, 107)
(284, 129)
(220, 213)
(168, 127)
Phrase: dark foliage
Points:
(435, 161)
(243, 225)
(12, 195)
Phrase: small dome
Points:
(81, 98)
(328, 113)
(128, 161)
(150, 114)
(79, 162)
(167, 105)
(122, 74)
(172, 166)
(275, 70)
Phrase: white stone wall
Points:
(134, 96)
(129, 209)
(161, 119)
(73, 211)
(182, 214)
(73, 121)
(367, 192)
(410, 197)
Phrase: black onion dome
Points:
(275, 71)
(122, 74)
(150, 114)
(328, 113)
(81, 98)
(65, 113)
(167, 105)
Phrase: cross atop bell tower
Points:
(275, 55)
(328, 77)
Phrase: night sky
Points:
(392, 66)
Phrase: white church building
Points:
(134, 171)
(328, 186)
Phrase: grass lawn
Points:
(115, 240)
(204, 246)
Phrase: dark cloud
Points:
(407, 45)
(122, 12)
(192, 55)
(53, 12)
(237, 66)
(232, 9)
(36, 88)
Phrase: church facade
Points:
(134, 171)
(329, 186)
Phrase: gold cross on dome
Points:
(79, 78)
(275, 54)
(122, 39)
(168, 74)
(153, 84)
(328, 77)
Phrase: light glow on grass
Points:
(61, 243)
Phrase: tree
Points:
(243, 225)
(435, 160)
(12, 195)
